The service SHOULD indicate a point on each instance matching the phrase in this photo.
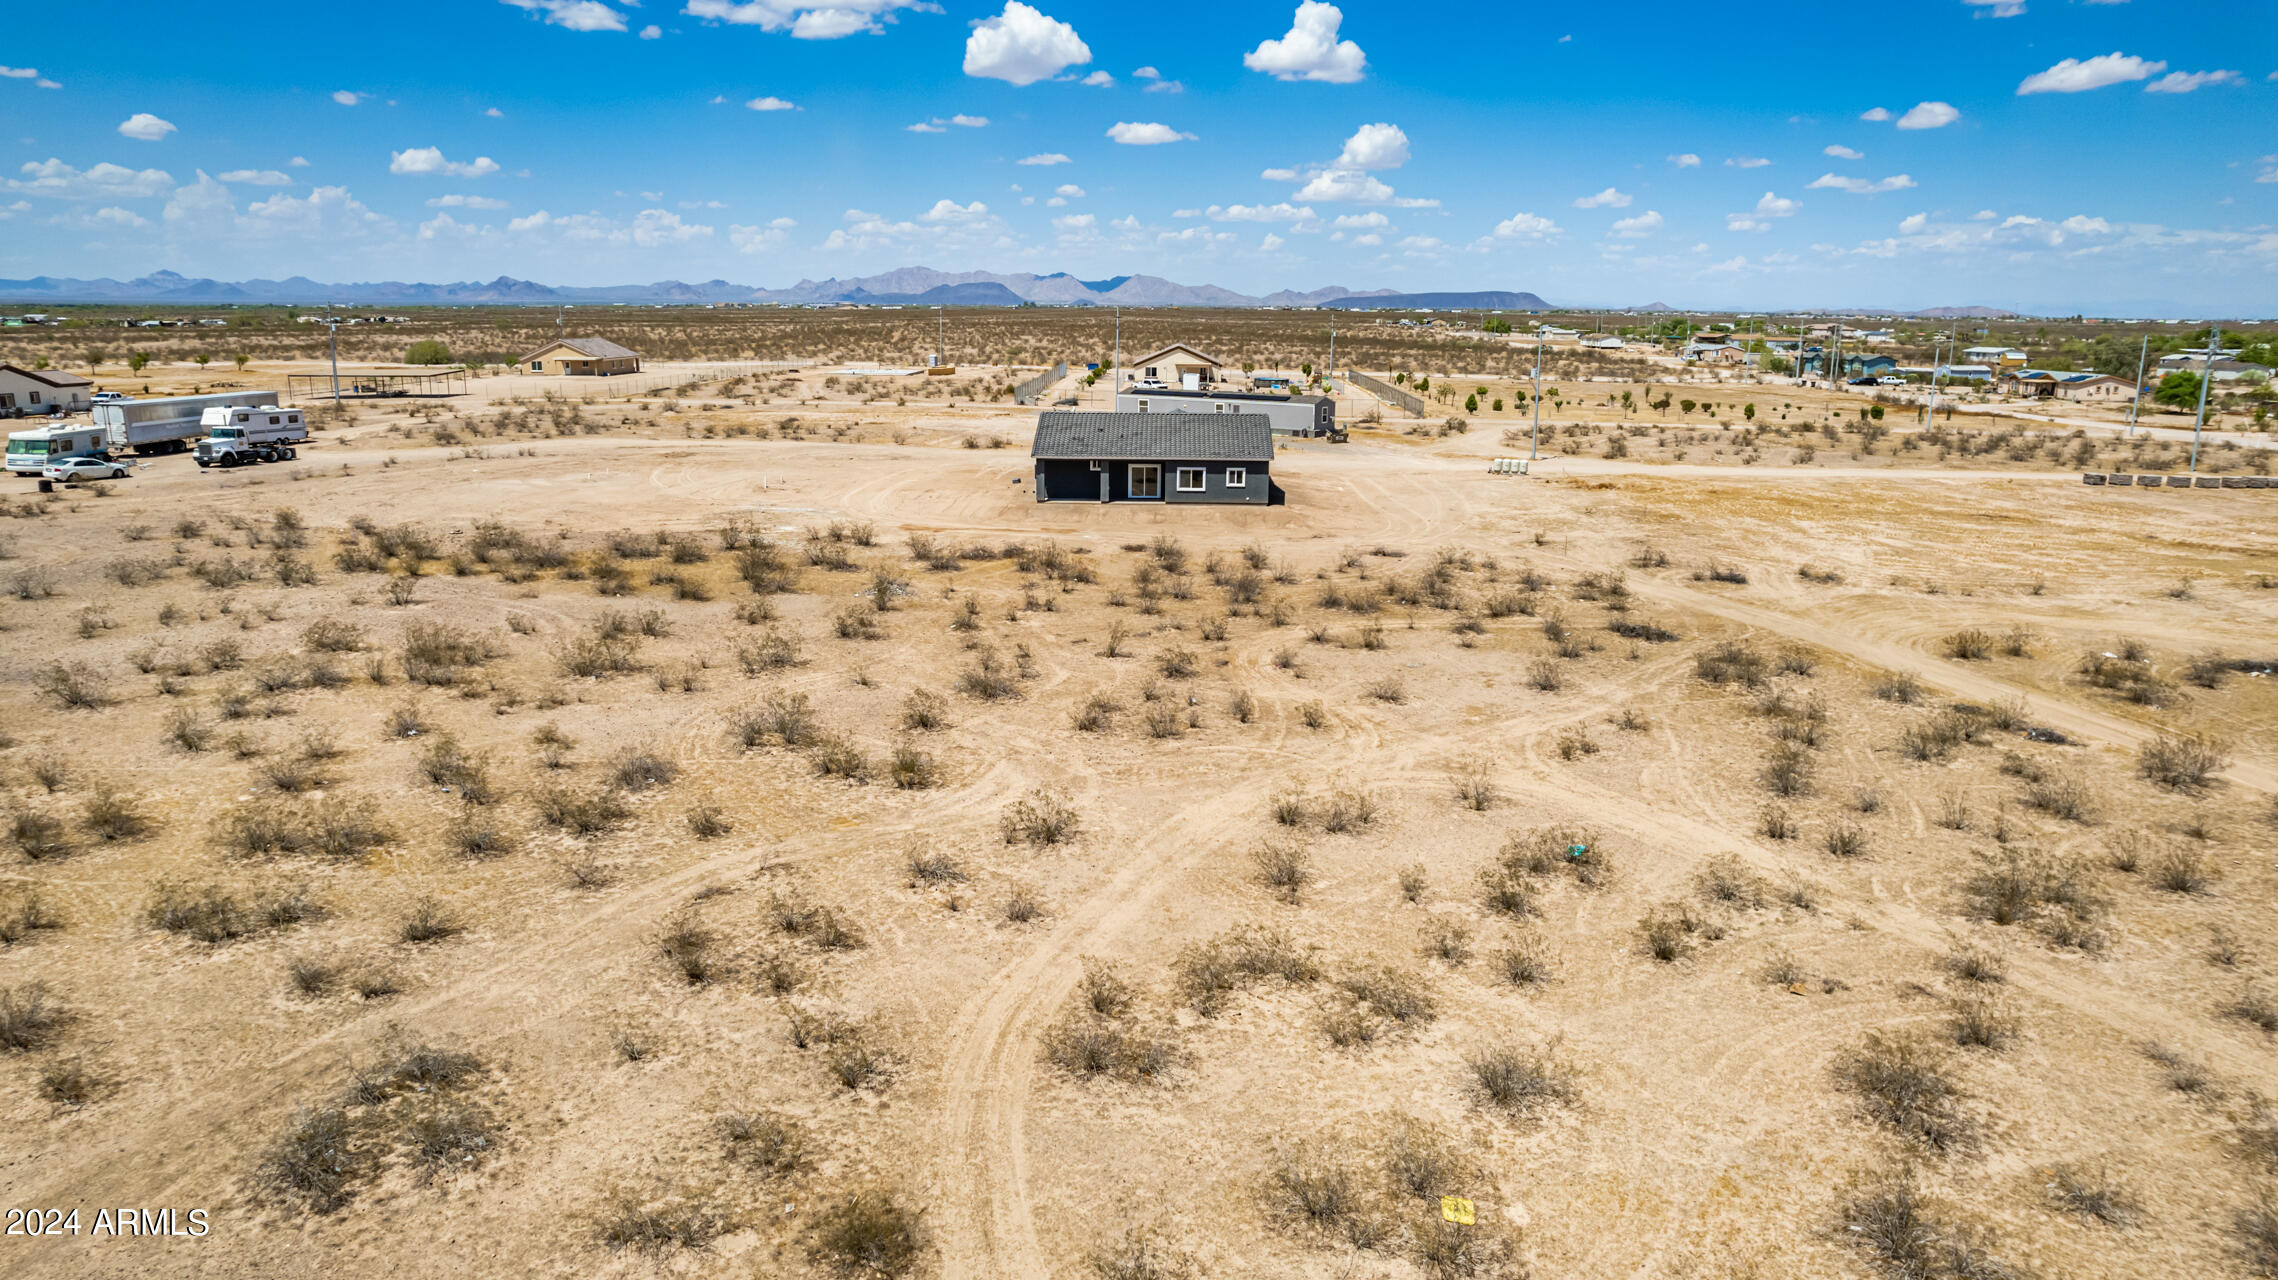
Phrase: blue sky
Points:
(2119, 158)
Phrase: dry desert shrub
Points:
(1522, 1081)
(1139, 1254)
(2094, 1191)
(582, 813)
(1045, 817)
(29, 1018)
(682, 1220)
(1285, 867)
(1978, 1020)
(1905, 1083)
(1209, 972)
(766, 1142)
(1473, 779)
(1526, 962)
(2182, 763)
(870, 1231)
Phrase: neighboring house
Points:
(1552, 333)
(2049, 384)
(2224, 370)
(1290, 415)
(1997, 357)
(1866, 366)
(38, 391)
(1716, 353)
(581, 357)
(1967, 372)
(1154, 457)
(1177, 365)
(1602, 341)
(1876, 335)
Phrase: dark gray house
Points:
(1154, 457)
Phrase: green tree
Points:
(1747, 411)
(1499, 408)
(1306, 368)
(203, 359)
(1471, 404)
(136, 360)
(94, 356)
(1876, 413)
(427, 351)
(2179, 389)
(241, 359)
(1687, 405)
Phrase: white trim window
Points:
(1146, 480)
(1237, 477)
(1193, 480)
(537, 366)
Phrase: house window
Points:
(1217, 407)
(1146, 480)
(1237, 477)
(1190, 480)
(1142, 406)
(7, 401)
(537, 366)
(35, 397)
(1150, 371)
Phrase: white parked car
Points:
(1888, 381)
(68, 470)
(110, 397)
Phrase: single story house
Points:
(24, 392)
(1716, 353)
(1291, 415)
(1866, 366)
(1967, 372)
(1177, 365)
(1875, 335)
(2224, 369)
(1601, 341)
(1998, 357)
(1554, 333)
(1153, 457)
(581, 357)
(2050, 384)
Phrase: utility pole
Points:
(1115, 382)
(1534, 450)
(1332, 387)
(2138, 397)
(332, 323)
(2206, 379)
(1936, 367)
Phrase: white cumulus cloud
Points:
(575, 15)
(652, 32)
(347, 97)
(1686, 160)
(144, 127)
(1841, 152)
(2076, 76)
(429, 161)
(1070, 190)
(772, 103)
(257, 177)
(1643, 224)
(57, 180)
(1022, 45)
(804, 19)
(1375, 146)
(1133, 134)
(1526, 226)
(1606, 199)
(1929, 115)
(1311, 50)
(2186, 81)
(1281, 212)
(1045, 158)
(1861, 186)
(457, 201)
(1746, 162)
(1875, 114)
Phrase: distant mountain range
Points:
(918, 286)
(907, 286)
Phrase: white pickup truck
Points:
(263, 433)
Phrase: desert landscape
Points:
(724, 826)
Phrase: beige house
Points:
(2091, 388)
(581, 357)
(25, 392)
(1177, 365)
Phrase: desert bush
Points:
(1347, 809)
(766, 1142)
(1284, 866)
(1787, 770)
(582, 813)
(641, 770)
(38, 836)
(1980, 1021)
(1726, 879)
(110, 815)
(2180, 870)
(1900, 687)
(318, 1161)
(1905, 1083)
(1976, 964)
(1844, 839)
(29, 1018)
(75, 685)
(1473, 779)
(1971, 644)
(2092, 1191)
(924, 710)
(2181, 763)
(679, 1221)
(428, 921)
(1208, 972)
(1139, 1254)
(1392, 994)
(1045, 817)
(1731, 662)
(1521, 1081)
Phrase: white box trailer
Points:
(169, 424)
(30, 451)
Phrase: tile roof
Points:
(1169, 437)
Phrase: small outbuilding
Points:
(582, 357)
(30, 392)
(1222, 458)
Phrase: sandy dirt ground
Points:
(1288, 926)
